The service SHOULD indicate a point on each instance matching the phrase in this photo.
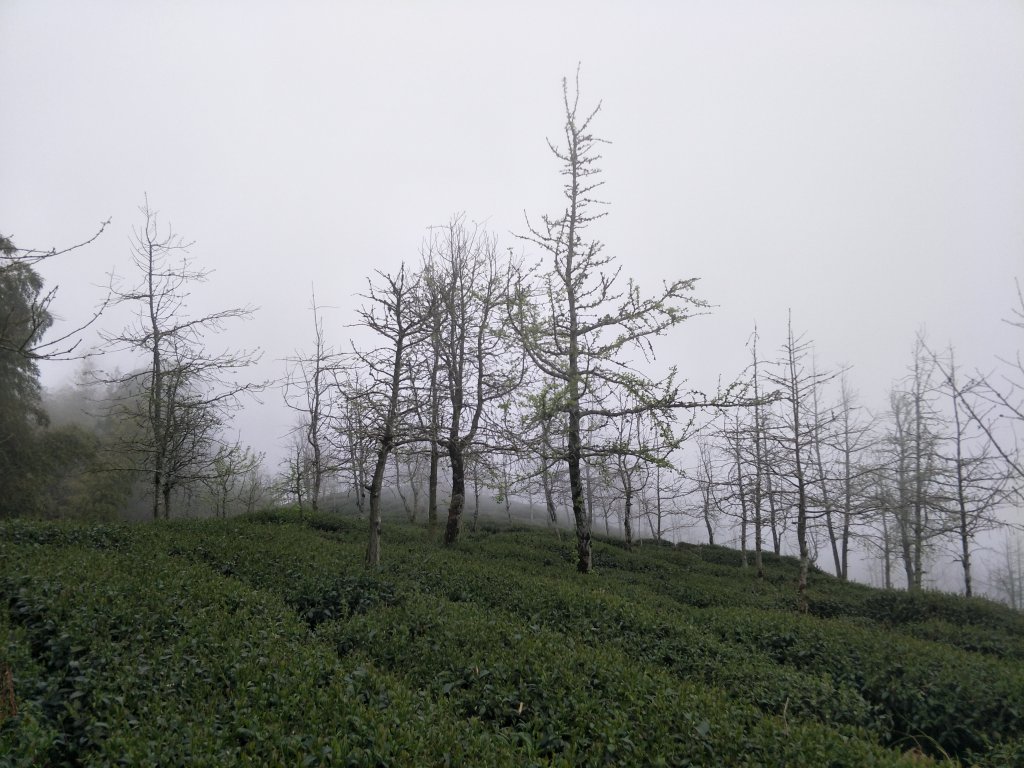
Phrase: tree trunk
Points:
(458, 499)
(373, 547)
(584, 561)
(773, 515)
(549, 494)
(626, 515)
(166, 491)
(707, 520)
(741, 486)
(435, 458)
(476, 495)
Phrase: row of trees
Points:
(529, 376)
(477, 355)
(900, 484)
(528, 380)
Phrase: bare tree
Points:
(392, 311)
(735, 437)
(186, 392)
(1008, 576)
(708, 487)
(309, 383)
(296, 483)
(631, 469)
(909, 475)
(408, 472)
(353, 440)
(576, 325)
(978, 478)
(479, 364)
(233, 467)
(801, 429)
(850, 438)
(761, 489)
(257, 489)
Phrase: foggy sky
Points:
(859, 162)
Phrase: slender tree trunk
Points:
(961, 499)
(758, 468)
(156, 494)
(886, 555)
(549, 494)
(314, 442)
(476, 495)
(156, 384)
(773, 515)
(919, 479)
(590, 496)
(707, 519)
(741, 487)
(435, 459)
(435, 418)
(626, 515)
(844, 562)
(826, 500)
(657, 500)
(801, 532)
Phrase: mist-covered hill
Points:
(264, 641)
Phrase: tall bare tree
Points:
(576, 324)
(309, 386)
(801, 428)
(1008, 576)
(850, 437)
(480, 365)
(353, 441)
(977, 480)
(392, 312)
(184, 391)
(908, 476)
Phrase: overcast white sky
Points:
(860, 162)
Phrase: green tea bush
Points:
(568, 702)
(264, 640)
(950, 701)
(144, 660)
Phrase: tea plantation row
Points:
(264, 641)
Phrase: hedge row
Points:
(659, 636)
(139, 658)
(265, 641)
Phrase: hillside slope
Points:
(263, 641)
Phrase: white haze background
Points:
(859, 162)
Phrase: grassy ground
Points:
(264, 641)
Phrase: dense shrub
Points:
(265, 641)
(144, 660)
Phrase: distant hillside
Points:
(264, 641)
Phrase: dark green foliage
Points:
(265, 641)
(23, 321)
